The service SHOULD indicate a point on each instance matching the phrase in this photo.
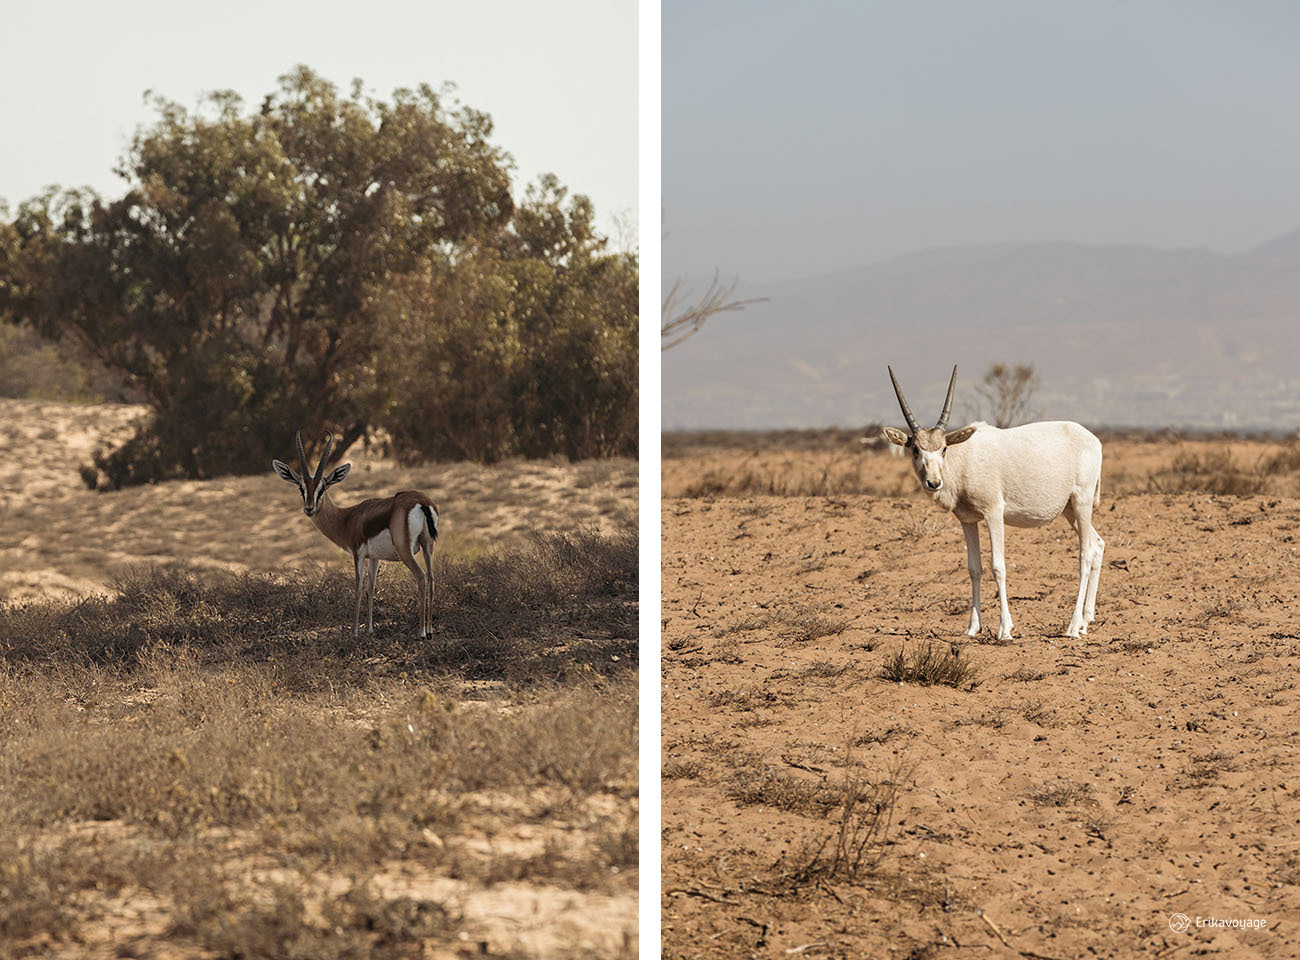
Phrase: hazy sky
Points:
(800, 138)
(559, 78)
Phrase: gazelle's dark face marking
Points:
(311, 486)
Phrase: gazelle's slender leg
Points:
(361, 585)
(972, 532)
(427, 548)
(997, 547)
(418, 574)
(372, 576)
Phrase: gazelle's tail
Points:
(430, 520)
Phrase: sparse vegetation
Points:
(1208, 471)
(214, 745)
(1065, 793)
(930, 664)
(794, 623)
(856, 844)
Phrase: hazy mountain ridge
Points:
(1121, 335)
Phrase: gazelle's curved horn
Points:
(302, 455)
(329, 445)
(947, 404)
(907, 411)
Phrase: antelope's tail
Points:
(430, 521)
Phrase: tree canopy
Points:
(337, 262)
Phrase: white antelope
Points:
(393, 528)
(1025, 476)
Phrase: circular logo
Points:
(1179, 922)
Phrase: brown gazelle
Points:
(393, 528)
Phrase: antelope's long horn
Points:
(302, 454)
(907, 411)
(947, 404)
(329, 445)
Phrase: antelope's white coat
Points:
(1024, 476)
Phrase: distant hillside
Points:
(1121, 335)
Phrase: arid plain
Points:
(196, 760)
(848, 775)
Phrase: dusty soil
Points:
(59, 539)
(1064, 800)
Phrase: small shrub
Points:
(929, 665)
(858, 842)
(1212, 471)
(1064, 794)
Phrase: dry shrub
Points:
(857, 843)
(229, 749)
(1067, 793)
(834, 475)
(781, 790)
(931, 664)
(298, 918)
(1286, 460)
(1211, 471)
(495, 616)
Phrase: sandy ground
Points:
(59, 539)
(1082, 793)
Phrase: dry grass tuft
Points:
(931, 664)
(795, 623)
(1067, 793)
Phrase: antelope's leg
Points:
(361, 583)
(1089, 557)
(997, 547)
(372, 576)
(1090, 605)
(418, 574)
(972, 532)
(427, 548)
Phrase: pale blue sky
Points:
(559, 78)
(800, 138)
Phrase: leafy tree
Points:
(534, 348)
(234, 282)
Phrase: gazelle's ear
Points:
(895, 436)
(337, 474)
(959, 436)
(283, 470)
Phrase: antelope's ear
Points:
(895, 436)
(337, 474)
(283, 470)
(959, 436)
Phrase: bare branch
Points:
(681, 321)
(1006, 392)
